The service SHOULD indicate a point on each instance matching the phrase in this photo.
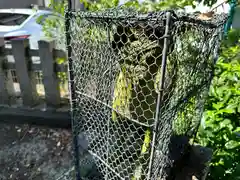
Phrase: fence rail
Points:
(38, 74)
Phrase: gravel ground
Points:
(34, 153)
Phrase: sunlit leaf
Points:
(60, 60)
(232, 144)
(225, 123)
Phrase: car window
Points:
(12, 19)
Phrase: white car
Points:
(26, 24)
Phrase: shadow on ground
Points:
(34, 153)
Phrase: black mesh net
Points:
(139, 84)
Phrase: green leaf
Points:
(39, 19)
(237, 130)
(218, 105)
(225, 123)
(227, 111)
(232, 144)
(219, 171)
(232, 106)
(60, 60)
(237, 170)
(209, 132)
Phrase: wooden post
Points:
(26, 78)
(50, 80)
(10, 84)
(3, 87)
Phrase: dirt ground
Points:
(38, 153)
(34, 153)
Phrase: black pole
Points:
(68, 17)
(160, 94)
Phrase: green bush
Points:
(220, 129)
